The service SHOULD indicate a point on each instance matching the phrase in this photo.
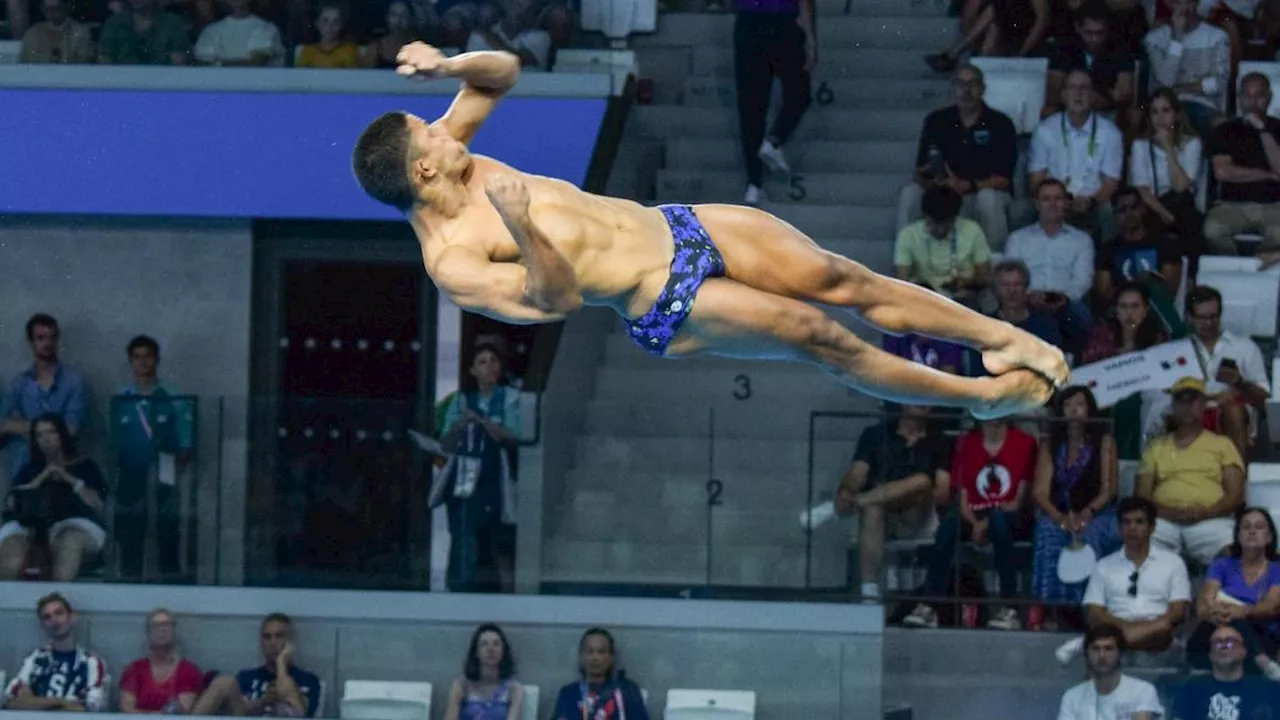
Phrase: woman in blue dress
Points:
(487, 689)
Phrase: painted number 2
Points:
(714, 488)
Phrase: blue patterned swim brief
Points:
(696, 259)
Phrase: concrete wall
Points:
(804, 661)
(186, 283)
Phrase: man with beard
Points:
(61, 675)
(49, 385)
(1226, 694)
(1109, 693)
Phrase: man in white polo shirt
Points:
(1084, 151)
(1060, 258)
(1109, 694)
(1141, 589)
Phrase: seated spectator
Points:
(58, 39)
(331, 51)
(1094, 47)
(970, 148)
(604, 692)
(144, 35)
(49, 385)
(1227, 692)
(517, 33)
(487, 689)
(1246, 24)
(55, 507)
(993, 467)
(1141, 589)
(1011, 279)
(1164, 165)
(1075, 489)
(1193, 59)
(1142, 252)
(1060, 259)
(898, 478)
(1246, 162)
(1081, 150)
(197, 14)
(1242, 590)
(240, 39)
(944, 251)
(1003, 28)
(402, 29)
(1195, 478)
(276, 688)
(937, 354)
(163, 681)
(1109, 693)
(61, 675)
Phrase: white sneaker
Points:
(922, 617)
(870, 592)
(1006, 619)
(1070, 650)
(752, 196)
(773, 158)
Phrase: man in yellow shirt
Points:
(944, 251)
(1195, 477)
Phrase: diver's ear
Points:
(423, 171)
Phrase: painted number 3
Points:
(742, 387)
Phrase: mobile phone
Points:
(1228, 362)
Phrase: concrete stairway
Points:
(634, 508)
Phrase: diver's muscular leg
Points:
(767, 254)
(734, 320)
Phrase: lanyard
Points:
(588, 704)
(1093, 134)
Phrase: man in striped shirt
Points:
(61, 675)
(1194, 59)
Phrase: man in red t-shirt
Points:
(993, 467)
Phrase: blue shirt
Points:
(145, 425)
(1211, 699)
(26, 400)
(254, 682)
(77, 675)
(601, 701)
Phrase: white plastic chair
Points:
(530, 710)
(378, 700)
(1272, 71)
(710, 705)
(1015, 87)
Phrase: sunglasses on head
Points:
(1133, 584)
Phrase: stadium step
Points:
(725, 153)
(834, 63)
(856, 94)
(864, 189)
(716, 30)
(667, 121)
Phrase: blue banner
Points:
(243, 155)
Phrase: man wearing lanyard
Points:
(947, 252)
(1082, 150)
(48, 386)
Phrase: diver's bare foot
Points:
(1024, 350)
(1013, 392)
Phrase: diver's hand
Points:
(422, 61)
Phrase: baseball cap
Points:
(1187, 385)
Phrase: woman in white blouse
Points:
(1164, 165)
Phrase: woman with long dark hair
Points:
(487, 689)
(57, 499)
(1075, 490)
(1242, 590)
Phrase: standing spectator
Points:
(58, 39)
(487, 689)
(517, 33)
(1195, 478)
(332, 51)
(1060, 258)
(49, 386)
(402, 29)
(1226, 692)
(1075, 486)
(55, 506)
(1193, 59)
(1246, 161)
(153, 433)
(1011, 279)
(144, 35)
(1094, 47)
(1164, 164)
(61, 675)
(898, 477)
(1141, 589)
(240, 39)
(1144, 251)
(1084, 152)
(275, 688)
(970, 148)
(478, 483)
(604, 692)
(771, 38)
(944, 251)
(1243, 590)
(163, 681)
(993, 466)
(1109, 693)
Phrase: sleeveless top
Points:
(494, 707)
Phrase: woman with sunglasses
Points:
(1243, 590)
